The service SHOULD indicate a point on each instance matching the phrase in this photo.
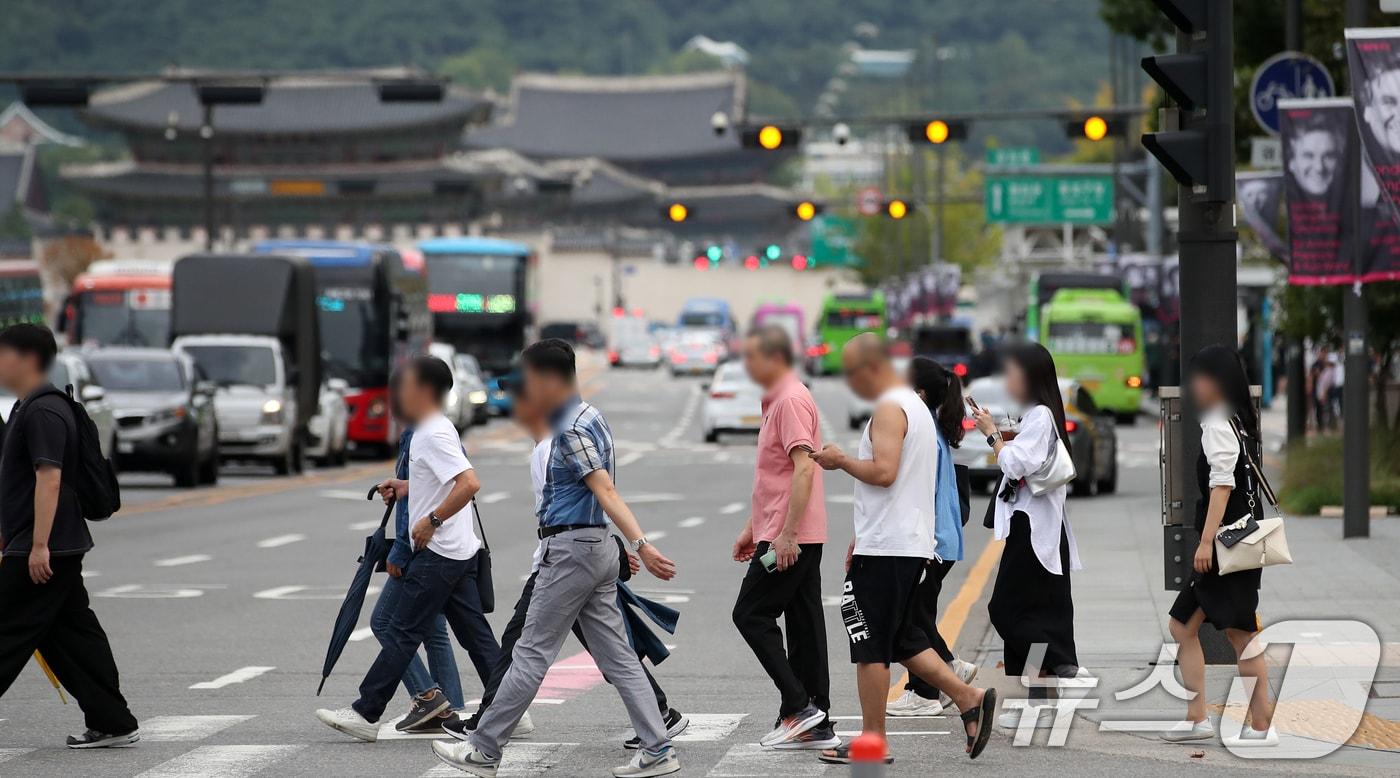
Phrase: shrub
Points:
(1312, 473)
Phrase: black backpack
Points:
(94, 479)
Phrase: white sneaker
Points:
(1187, 731)
(965, 671)
(524, 726)
(1078, 687)
(350, 722)
(911, 704)
(644, 765)
(1043, 714)
(465, 758)
(1250, 737)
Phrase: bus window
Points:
(139, 317)
(859, 320)
(1091, 338)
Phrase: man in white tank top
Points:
(895, 472)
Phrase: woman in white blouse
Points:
(1031, 603)
(1220, 392)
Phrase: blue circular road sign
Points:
(1285, 76)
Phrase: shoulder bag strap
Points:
(480, 526)
(1264, 485)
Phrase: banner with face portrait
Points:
(1373, 58)
(1319, 158)
(1260, 196)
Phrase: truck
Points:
(249, 323)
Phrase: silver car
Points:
(70, 369)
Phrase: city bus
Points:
(21, 293)
(119, 303)
(372, 311)
(476, 292)
(1095, 336)
(1045, 285)
(842, 317)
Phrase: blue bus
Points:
(476, 293)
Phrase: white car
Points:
(69, 369)
(456, 407)
(981, 461)
(733, 403)
(857, 410)
(328, 431)
(467, 375)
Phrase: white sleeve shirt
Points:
(1032, 447)
(1221, 447)
(435, 459)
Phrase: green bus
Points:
(843, 316)
(1045, 284)
(1095, 336)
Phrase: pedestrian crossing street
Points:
(525, 758)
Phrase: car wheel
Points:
(209, 471)
(1126, 419)
(286, 463)
(1085, 487)
(711, 436)
(187, 473)
(1109, 484)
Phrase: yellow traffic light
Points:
(1095, 128)
(897, 209)
(936, 131)
(806, 210)
(770, 137)
(677, 212)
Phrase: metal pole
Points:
(1293, 25)
(1356, 456)
(942, 193)
(1293, 348)
(206, 135)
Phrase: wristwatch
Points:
(993, 438)
(434, 520)
(638, 543)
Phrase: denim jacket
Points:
(401, 553)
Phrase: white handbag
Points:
(1056, 472)
(1267, 545)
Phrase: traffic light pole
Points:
(1297, 402)
(1356, 456)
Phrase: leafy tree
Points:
(15, 227)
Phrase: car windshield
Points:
(139, 374)
(229, 365)
(140, 317)
(1089, 337)
(701, 318)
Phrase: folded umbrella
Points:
(636, 612)
(376, 551)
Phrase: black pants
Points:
(800, 672)
(929, 590)
(1032, 606)
(433, 584)
(55, 618)
(512, 634)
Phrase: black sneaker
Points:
(461, 728)
(94, 739)
(426, 707)
(676, 722)
(432, 726)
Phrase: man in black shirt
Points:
(43, 602)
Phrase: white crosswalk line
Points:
(361, 526)
(281, 540)
(363, 633)
(344, 494)
(693, 521)
(709, 727)
(493, 497)
(518, 760)
(638, 499)
(628, 458)
(179, 729)
(750, 760)
(733, 507)
(179, 561)
(6, 754)
(657, 535)
(221, 762)
(237, 676)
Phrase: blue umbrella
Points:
(636, 611)
(376, 551)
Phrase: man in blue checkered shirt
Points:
(577, 579)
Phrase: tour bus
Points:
(1095, 336)
(372, 310)
(1045, 285)
(476, 292)
(843, 316)
(119, 303)
(21, 294)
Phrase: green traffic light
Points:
(773, 251)
(714, 253)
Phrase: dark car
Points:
(949, 345)
(165, 414)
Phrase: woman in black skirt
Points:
(1031, 606)
(1220, 392)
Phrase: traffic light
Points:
(1094, 127)
(807, 210)
(772, 252)
(799, 262)
(770, 137)
(752, 262)
(1194, 143)
(937, 131)
(898, 209)
(676, 213)
(714, 253)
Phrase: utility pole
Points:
(1293, 348)
(1356, 456)
(206, 139)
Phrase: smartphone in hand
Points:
(973, 403)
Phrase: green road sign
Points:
(1049, 199)
(833, 241)
(1013, 156)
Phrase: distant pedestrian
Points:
(895, 538)
(436, 694)
(577, 578)
(443, 575)
(1031, 604)
(941, 390)
(787, 521)
(43, 536)
(1229, 492)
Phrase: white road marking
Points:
(301, 592)
(240, 675)
(221, 762)
(156, 591)
(344, 494)
(721, 457)
(831, 600)
(363, 633)
(178, 561)
(281, 540)
(91, 574)
(361, 526)
(750, 760)
(710, 727)
(692, 404)
(629, 458)
(6, 754)
(693, 521)
(493, 498)
(892, 733)
(638, 499)
(847, 499)
(733, 507)
(657, 535)
(518, 760)
(181, 729)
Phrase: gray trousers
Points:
(577, 582)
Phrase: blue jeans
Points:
(416, 679)
(433, 586)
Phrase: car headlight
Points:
(477, 397)
(167, 415)
(272, 412)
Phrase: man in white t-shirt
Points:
(443, 577)
(894, 539)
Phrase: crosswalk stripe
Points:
(693, 521)
(363, 633)
(733, 507)
(518, 760)
(361, 526)
(240, 675)
(710, 727)
(493, 497)
(179, 729)
(750, 760)
(6, 754)
(221, 762)
(178, 561)
(281, 540)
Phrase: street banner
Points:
(1373, 58)
(1319, 148)
(1260, 195)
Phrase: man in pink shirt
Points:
(782, 543)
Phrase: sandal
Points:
(842, 755)
(982, 717)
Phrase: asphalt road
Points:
(219, 603)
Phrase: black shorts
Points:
(879, 606)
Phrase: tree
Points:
(14, 226)
(70, 255)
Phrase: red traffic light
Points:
(799, 262)
(751, 262)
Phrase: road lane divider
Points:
(277, 541)
(693, 521)
(241, 675)
(206, 497)
(180, 561)
(492, 498)
(733, 507)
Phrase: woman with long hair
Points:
(941, 390)
(1031, 603)
(1229, 487)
